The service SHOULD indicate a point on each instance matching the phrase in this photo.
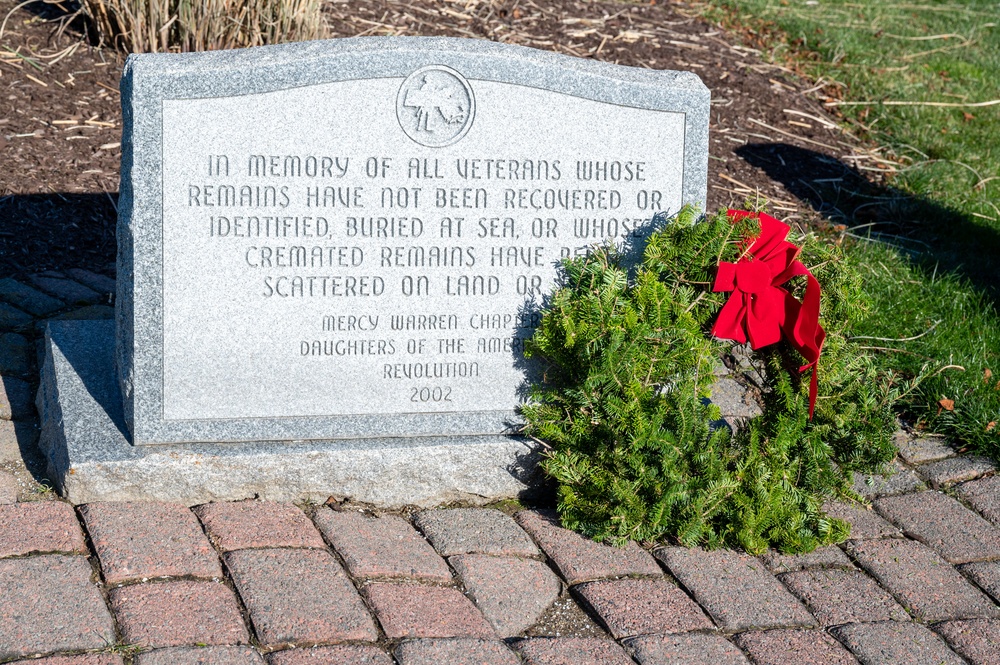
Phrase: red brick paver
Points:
(735, 589)
(640, 606)
(984, 496)
(821, 557)
(901, 481)
(99, 283)
(79, 659)
(512, 593)
(299, 595)
(843, 596)
(944, 524)
(386, 546)
(70, 292)
(955, 470)
(238, 525)
(794, 647)
(200, 656)
(180, 613)
(865, 522)
(344, 654)
(571, 651)
(48, 603)
(580, 559)
(978, 640)
(410, 610)
(475, 531)
(924, 582)
(923, 448)
(8, 487)
(146, 540)
(273, 553)
(686, 649)
(462, 651)
(986, 574)
(895, 643)
(39, 526)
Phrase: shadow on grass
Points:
(950, 279)
(938, 238)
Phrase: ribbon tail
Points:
(813, 389)
(807, 331)
(811, 334)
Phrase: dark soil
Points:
(60, 121)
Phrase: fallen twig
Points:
(901, 339)
(822, 121)
(791, 135)
(992, 102)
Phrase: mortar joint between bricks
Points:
(266, 649)
(971, 580)
(164, 579)
(227, 580)
(669, 575)
(902, 603)
(357, 583)
(952, 491)
(97, 576)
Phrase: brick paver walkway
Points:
(255, 583)
(258, 582)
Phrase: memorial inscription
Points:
(378, 244)
(330, 257)
(392, 283)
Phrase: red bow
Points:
(759, 308)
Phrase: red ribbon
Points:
(760, 309)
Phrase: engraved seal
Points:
(435, 106)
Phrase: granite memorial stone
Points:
(331, 253)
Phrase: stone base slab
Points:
(90, 457)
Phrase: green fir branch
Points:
(633, 450)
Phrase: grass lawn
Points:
(922, 79)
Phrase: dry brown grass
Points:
(140, 26)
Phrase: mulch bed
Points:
(60, 120)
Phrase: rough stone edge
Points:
(90, 458)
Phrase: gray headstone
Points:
(331, 253)
(351, 238)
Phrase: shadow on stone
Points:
(90, 362)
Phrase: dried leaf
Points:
(947, 404)
(968, 116)
(987, 375)
(991, 425)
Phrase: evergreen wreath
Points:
(631, 440)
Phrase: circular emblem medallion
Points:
(435, 106)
